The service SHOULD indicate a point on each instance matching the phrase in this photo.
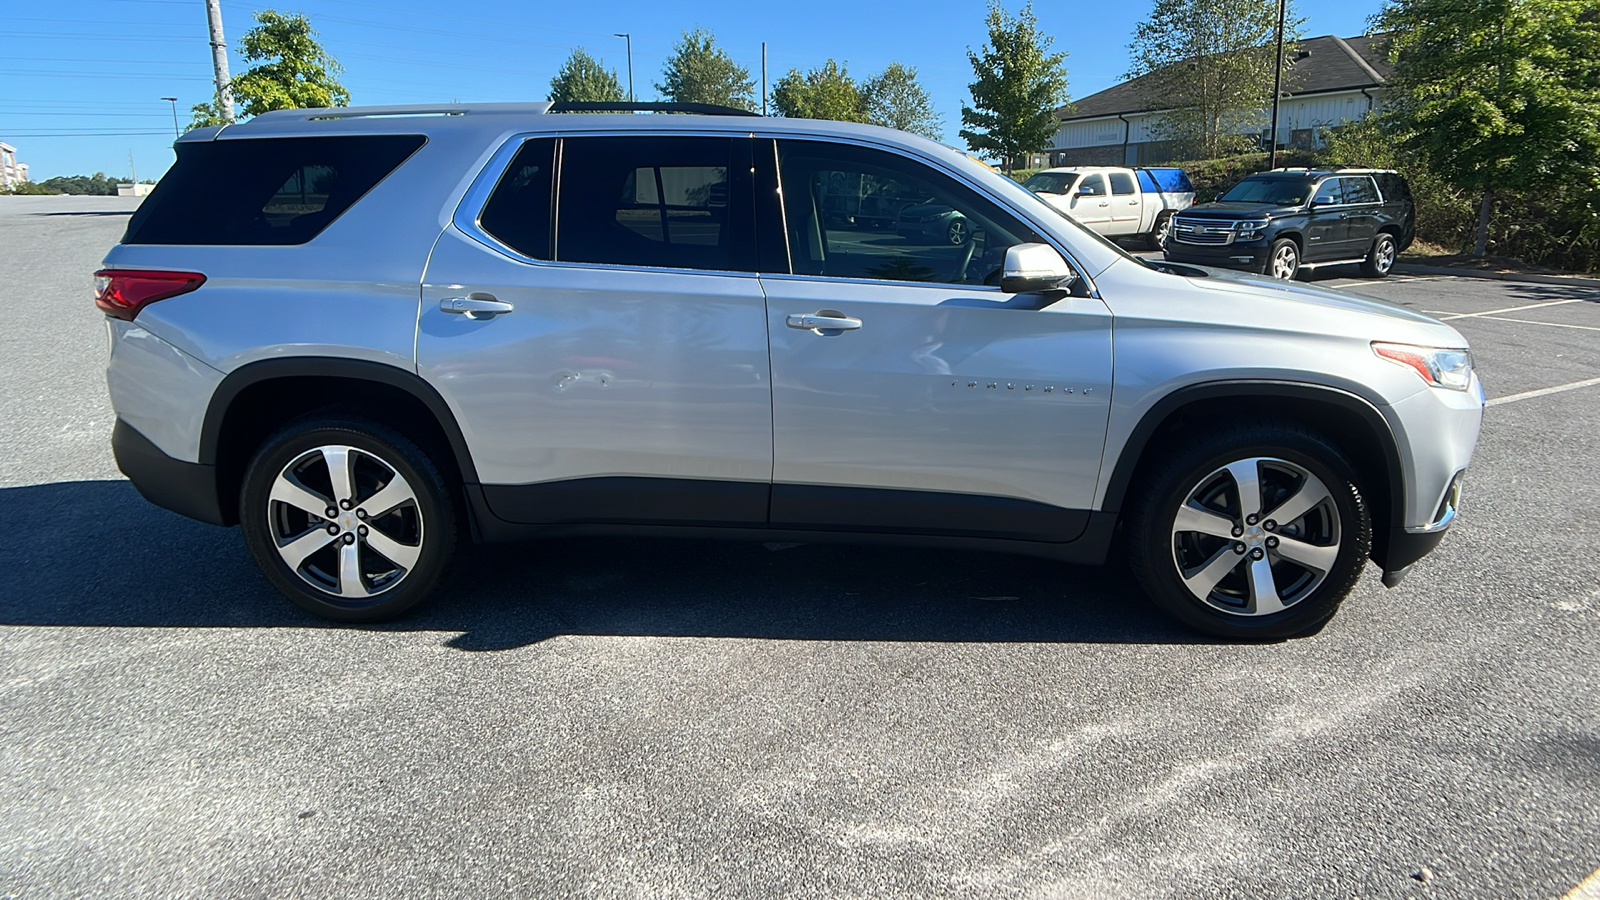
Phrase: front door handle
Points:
(478, 306)
(824, 321)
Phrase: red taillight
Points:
(121, 293)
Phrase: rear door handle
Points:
(480, 306)
(824, 321)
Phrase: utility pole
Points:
(174, 100)
(763, 78)
(1277, 86)
(134, 171)
(219, 59)
(629, 39)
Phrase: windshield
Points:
(1277, 191)
(1051, 182)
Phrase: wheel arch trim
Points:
(1133, 449)
(262, 371)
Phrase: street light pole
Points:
(629, 39)
(1277, 86)
(174, 115)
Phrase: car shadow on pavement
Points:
(96, 554)
(1546, 293)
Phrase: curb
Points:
(1402, 268)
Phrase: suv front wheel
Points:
(347, 518)
(1283, 260)
(1257, 531)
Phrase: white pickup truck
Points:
(1117, 202)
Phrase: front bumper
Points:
(1251, 256)
(186, 488)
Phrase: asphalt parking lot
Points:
(678, 719)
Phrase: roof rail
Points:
(705, 109)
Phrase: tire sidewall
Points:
(1152, 555)
(433, 504)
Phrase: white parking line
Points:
(1551, 324)
(1525, 395)
(1588, 890)
(1495, 312)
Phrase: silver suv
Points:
(362, 334)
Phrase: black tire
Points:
(421, 529)
(1380, 257)
(1286, 248)
(1157, 238)
(1159, 552)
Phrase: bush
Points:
(28, 187)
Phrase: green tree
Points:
(94, 185)
(583, 79)
(825, 93)
(295, 71)
(895, 99)
(1211, 63)
(698, 71)
(1019, 85)
(1497, 94)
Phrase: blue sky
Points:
(80, 79)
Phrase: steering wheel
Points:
(959, 276)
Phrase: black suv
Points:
(1280, 222)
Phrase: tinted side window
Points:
(859, 213)
(1360, 190)
(1121, 183)
(1147, 181)
(1328, 193)
(1092, 186)
(518, 212)
(269, 191)
(653, 201)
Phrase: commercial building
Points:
(1329, 81)
(11, 172)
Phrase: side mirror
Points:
(1032, 268)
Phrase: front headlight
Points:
(1249, 231)
(1446, 367)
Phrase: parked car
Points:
(1117, 202)
(497, 322)
(936, 221)
(1286, 221)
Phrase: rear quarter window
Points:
(264, 191)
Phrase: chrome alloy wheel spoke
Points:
(402, 555)
(295, 552)
(286, 491)
(387, 499)
(1264, 598)
(1202, 579)
(1204, 521)
(340, 462)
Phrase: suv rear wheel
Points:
(347, 518)
(1380, 259)
(1254, 532)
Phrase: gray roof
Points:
(1324, 64)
